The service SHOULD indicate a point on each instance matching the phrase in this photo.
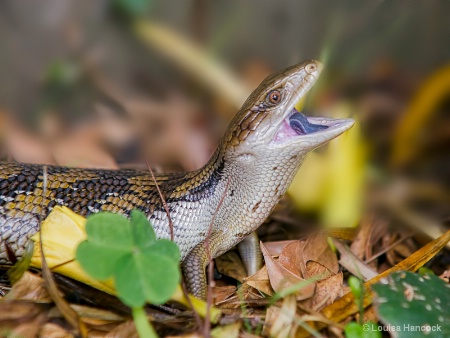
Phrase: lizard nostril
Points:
(311, 68)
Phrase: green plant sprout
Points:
(143, 268)
(359, 330)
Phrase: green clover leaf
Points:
(144, 269)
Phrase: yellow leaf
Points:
(421, 108)
(345, 166)
(62, 232)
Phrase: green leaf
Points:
(128, 282)
(99, 261)
(353, 330)
(413, 304)
(146, 276)
(356, 286)
(356, 330)
(165, 248)
(143, 233)
(144, 268)
(109, 229)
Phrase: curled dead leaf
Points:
(317, 249)
(281, 321)
(260, 281)
(291, 257)
(327, 290)
(231, 265)
(281, 278)
(29, 287)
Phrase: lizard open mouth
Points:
(317, 130)
(297, 124)
(300, 124)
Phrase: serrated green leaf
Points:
(108, 229)
(99, 261)
(166, 248)
(143, 233)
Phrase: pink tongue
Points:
(285, 132)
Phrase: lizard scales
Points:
(251, 169)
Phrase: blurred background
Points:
(109, 84)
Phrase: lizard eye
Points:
(274, 97)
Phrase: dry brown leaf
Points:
(314, 269)
(327, 290)
(360, 243)
(291, 257)
(245, 294)
(51, 330)
(275, 248)
(281, 278)
(317, 249)
(403, 250)
(29, 328)
(222, 293)
(14, 312)
(280, 321)
(353, 263)
(126, 329)
(230, 264)
(29, 287)
(260, 281)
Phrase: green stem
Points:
(143, 326)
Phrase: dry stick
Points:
(68, 313)
(183, 285)
(393, 245)
(163, 200)
(211, 264)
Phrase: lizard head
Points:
(269, 122)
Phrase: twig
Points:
(163, 200)
(198, 320)
(207, 328)
(393, 245)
